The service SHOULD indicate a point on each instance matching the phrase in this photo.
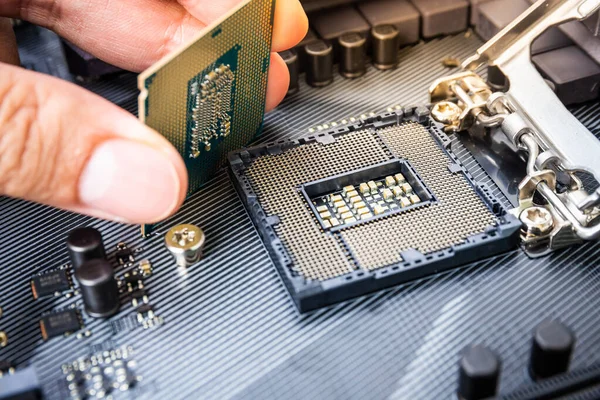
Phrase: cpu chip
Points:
(208, 97)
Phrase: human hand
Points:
(66, 147)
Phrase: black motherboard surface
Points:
(227, 328)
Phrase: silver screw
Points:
(446, 112)
(537, 220)
(185, 242)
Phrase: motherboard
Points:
(358, 248)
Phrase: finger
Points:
(134, 34)
(290, 22)
(69, 148)
(209, 11)
(278, 83)
(131, 34)
(290, 25)
(8, 43)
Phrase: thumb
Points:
(66, 147)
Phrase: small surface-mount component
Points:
(3, 339)
(319, 63)
(145, 268)
(50, 283)
(399, 13)
(290, 57)
(144, 310)
(551, 349)
(98, 287)
(85, 244)
(147, 317)
(479, 373)
(442, 17)
(124, 254)
(353, 52)
(138, 297)
(134, 280)
(185, 242)
(100, 374)
(60, 323)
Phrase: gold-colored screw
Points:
(446, 112)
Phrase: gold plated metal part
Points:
(185, 242)
(537, 220)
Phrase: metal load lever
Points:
(535, 120)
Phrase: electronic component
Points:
(430, 216)
(60, 323)
(319, 63)
(98, 287)
(571, 85)
(290, 57)
(495, 15)
(139, 297)
(85, 244)
(331, 24)
(479, 373)
(208, 96)
(353, 53)
(442, 17)
(386, 191)
(551, 349)
(185, 242)
(50, 283)
(97, 375)
(399, 13)
(145, 268)
(144, 309)
(124, 254)
(147, 317)
(3, 339)
(134, 280)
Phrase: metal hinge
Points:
(534, 119)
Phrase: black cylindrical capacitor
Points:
(551, 350)
(353, 51)
(386, 39)
(98, 288)
(479, 373)
(85, 244)
(291, 60)
(319, 63)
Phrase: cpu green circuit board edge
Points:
(208, 97)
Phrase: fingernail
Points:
(131, 181)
